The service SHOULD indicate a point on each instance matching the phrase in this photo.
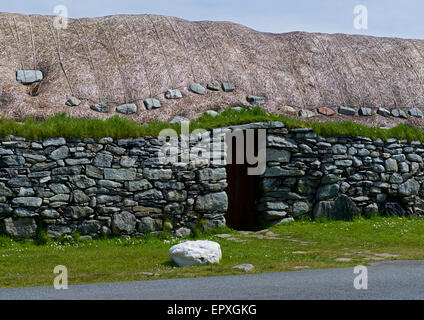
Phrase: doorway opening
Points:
(243, 189)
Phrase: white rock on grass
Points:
(194, 253)
(211, 113)
(178, 120)
(245, 267)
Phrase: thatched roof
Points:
(122, 59)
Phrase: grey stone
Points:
(330, 178)
(300, 208)
(399, 113)
(24, 213)
(5, 191)
(403, 167)
(12, 161)
(157, 174)
(344, 186)
(128, 108)
(55, 231)
(278, 155)
(73, 102)
(213, 85)
(178, 120)
(5, 210)
(29, 76)
(383, 112)
(347, 111)
(151, 194)
(174, 208)
(176, 195)
(391, 165)
(56, 142)
(76, 212)
(109, 184)
(212, 202)
(339, 149)
(27, 201)
(82, 181)
(414, 157)
(50, 214)
(93, 172)
(344, 208)
(115, 150)
(5, 152)
(415, 112)
(396, 178)
(364, 112)
(80, 197)
(100, 107)
(341, 209)
(410, 187)
(228, 86)
(197, 88)
(123, 223)
(378, 168)
(343, 163)
(139, 185)
(20, 228)
(89, 227)
(279, 172)
(327, 191)
(277, 141)
(212, 174)
(255, 100)
(371, 210)
(182, 232)
(61, 153)
(306, 113)
(58, 188)
(103, 160)
(120, 174)
(173, 94)
(148, 224)
(246, 267)
(211, 113)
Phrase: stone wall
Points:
(120, 187)
(103, 187)
(339, 177)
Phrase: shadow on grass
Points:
(169, 263)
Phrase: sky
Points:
(391, 18)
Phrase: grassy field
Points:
(293, 246)
(62, 125)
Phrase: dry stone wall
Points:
(104, 187)
(121, 187)
(340, 177)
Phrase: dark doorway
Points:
(242, 192)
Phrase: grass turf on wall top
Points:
(62, 125)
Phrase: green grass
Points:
(25, 263)
(117, 127)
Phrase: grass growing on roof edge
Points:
(62, 125)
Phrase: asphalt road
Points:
(386, 280)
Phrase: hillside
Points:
(126, 59)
